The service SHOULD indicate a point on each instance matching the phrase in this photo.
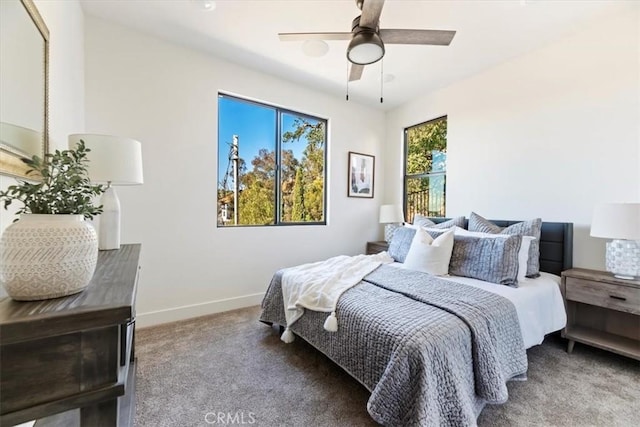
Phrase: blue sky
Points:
(255, 126)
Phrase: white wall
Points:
(638, 77)
(65, 21)
(548, 134)
(166, 96)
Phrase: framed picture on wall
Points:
(361, 175)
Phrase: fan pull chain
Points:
(381, 80)
(347, 80)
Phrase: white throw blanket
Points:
(318, 286)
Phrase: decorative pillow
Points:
(523, 257)
(523, 253)
(428, 254)
(423, 221)
(526, 228)
(400, 243)
(490, 259)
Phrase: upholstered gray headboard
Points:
(556, 244)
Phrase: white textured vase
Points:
(47, 256)
(623, 258)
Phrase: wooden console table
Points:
(73, 352)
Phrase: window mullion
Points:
(278, 169)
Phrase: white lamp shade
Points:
(616, 221)
(391, 214)
(112, 159)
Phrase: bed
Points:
(431, 350)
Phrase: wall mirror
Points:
(24, 75)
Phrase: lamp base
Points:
(623, 258)
(109, 235)
(389, 229)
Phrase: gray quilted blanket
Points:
(431, 352)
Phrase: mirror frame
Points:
(11, 163)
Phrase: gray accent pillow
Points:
(400, 243)
(490, 259)
(423, 221)
(532, 228)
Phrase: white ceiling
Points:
(246, 32)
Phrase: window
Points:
(271, 165)
(425, 166)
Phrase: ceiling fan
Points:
(368, 40)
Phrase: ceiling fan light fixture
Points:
(365, 48)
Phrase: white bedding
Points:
(538, 303)
(318, 285)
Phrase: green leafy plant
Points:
(64, 187)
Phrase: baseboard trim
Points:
(195, 310)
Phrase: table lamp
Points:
(392, 217)
(620, 222)
(113, 160)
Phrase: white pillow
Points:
(429, 255)
(523, 253)
(523, 257)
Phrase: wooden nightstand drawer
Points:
(377, 247)
(612, 296)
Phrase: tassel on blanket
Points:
(331, 324)
(287, 336)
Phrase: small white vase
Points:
(47, 256)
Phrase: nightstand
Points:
(377, 247)
(602, 311)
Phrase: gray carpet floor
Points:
(228, 369)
